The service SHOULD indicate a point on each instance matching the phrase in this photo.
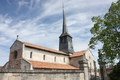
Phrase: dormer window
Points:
(15, 54)
(30, 54)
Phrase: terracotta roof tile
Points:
(46, 65)
(109, 68)
(43, 48)
(1, 67)
(77, 54)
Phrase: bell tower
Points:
(65, 40)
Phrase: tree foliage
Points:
(106, 30)
(115, 74)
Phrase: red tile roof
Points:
(77, 54)
(109, 68)
(1, 67)
(44, 48)
(45, 65)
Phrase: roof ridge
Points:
(48, 65)
(43, 48)
(78, 54)
(79, 51)
(49, 62)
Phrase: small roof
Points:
(77, 54)
(1, 67)
(110, 68)
(46, 65)
(44, 48)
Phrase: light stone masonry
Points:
(41, 75)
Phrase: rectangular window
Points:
(64, 60)
(43, 57)
(30, 54)
(55, 59)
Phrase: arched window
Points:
(64, 59)
(55, 59)
(15, 54)
(30, 54)
(43, 57)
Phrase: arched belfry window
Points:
(15, 54)
(43, 57)
(30, 54)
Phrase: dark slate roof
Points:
(65, 31)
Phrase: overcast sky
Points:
(40, 22)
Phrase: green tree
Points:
(106, 30)
(115, 74)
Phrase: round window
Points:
(15, 54)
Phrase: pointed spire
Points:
(65, 40)
(64, 24)
(64, 31)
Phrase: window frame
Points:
(15, 54)
(31, 54)
(55, 59)
(64, 59)
(43, 57)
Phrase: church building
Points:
(28, 56)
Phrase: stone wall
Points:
(74, 61)
(37, 55)
(42, 75)
(16, 46)
(89, 56)
(15, 63)
(15, 55)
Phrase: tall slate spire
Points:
(64, 31)
(65, 40)
(64, 24)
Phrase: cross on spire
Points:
(17, 37)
